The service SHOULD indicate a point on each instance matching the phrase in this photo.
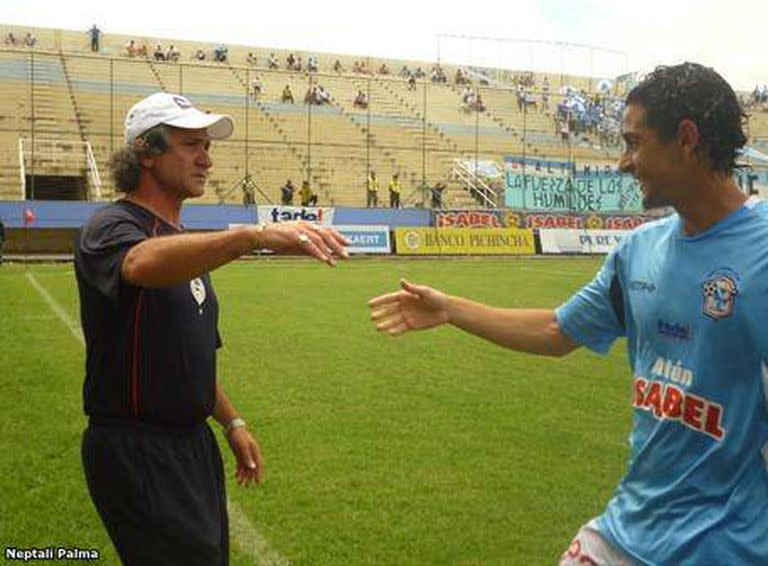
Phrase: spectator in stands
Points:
(460, 78)
(545, 95)
(383, 70)
(299, 64)
(436, 194)
(419, 73)
(10, 39)
(405, 72)
(360, 101)
(312, 63)
(29, 40)
(323, 96)
(150, 318)
(520, 96)
(200, 55)
(469, 100)
(466, 94)
(251, 59)
(159, 53)
(437, 75)
(129, 49)
(141, 51)
(412, 82)
(286, 193)
(172, 54)
(306, 196)
(249, 196)
(95, 35)
(395, 188)
(256, 87)
(478, 105)
(372, 191)
(220, 53)
(272, 62)
(311, 95)
(287, 95)
(565, 131)
(357, 67)
(290, 62)
(337, 67)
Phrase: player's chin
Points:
(651, 198)
(196, 186)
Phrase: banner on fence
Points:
(464, 241)
(317, 215)
(366, 239)
(579, 241)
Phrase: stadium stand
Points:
(67, 104)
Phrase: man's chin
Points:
(196, 190)
(651, 201)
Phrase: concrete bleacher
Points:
(79, 96)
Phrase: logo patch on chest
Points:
(720, 290)
(198, 292)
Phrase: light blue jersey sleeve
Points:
(594, 316)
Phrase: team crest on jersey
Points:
(198, 292)
(720, 289)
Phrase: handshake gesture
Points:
(301, 238)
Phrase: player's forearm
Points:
(169, 260)
(223, 410)
(535, 331)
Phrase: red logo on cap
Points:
(182, 103)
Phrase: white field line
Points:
(71, 325)
(244, 534)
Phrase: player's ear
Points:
(688, 136)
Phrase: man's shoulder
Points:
(116, 213)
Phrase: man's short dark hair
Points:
(691, 91)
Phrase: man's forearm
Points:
(535, 331)
(223, 410)
(169, 260)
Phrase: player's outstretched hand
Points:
(414, 307)
(304, 238)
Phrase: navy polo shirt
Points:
(150, 353)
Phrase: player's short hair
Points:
(691, 91)
(125, 163)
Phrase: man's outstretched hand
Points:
(413, 307)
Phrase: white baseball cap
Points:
(177, 111)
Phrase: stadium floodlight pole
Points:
(32, 121)
(424, 148)
(368, 134)
(247, 107)
(309, 131)
(477, 144)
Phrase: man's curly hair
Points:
(691, 91)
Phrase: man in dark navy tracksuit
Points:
(150, 319)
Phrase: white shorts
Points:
(590, 548)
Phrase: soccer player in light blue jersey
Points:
(690, 294)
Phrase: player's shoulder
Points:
(657, 229)
(759, 210)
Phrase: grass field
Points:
(432, 448)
